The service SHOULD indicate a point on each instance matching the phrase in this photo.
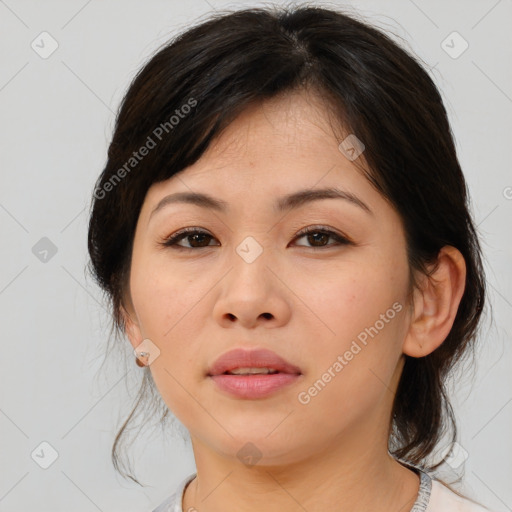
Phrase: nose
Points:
(253, 294)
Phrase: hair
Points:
(202, 79)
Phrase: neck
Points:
(335, 480)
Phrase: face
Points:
(331, 302)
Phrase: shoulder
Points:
(168, 505)
(442, 499)
(173, 502)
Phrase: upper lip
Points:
(255, 358)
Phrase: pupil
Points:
(195, 237)
(316, 235)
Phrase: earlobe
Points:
(436, 301)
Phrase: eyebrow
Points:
(286, 203)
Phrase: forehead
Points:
(294, 124)
(273, 147)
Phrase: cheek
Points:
(346, 302)
(167, 303)
(358, 334)
(351, 371)
(160, 294)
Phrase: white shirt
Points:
(433, 496)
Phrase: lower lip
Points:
(253, 386)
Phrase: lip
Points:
(255, 358)
(252, 386)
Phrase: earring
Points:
(144, 355)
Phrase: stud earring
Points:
(143, 355)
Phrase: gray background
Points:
(57, 115)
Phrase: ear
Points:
(436, 303)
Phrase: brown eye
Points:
(318, 237)
(195, 237)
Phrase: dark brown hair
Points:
(375, 89)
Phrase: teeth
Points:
(249, 371)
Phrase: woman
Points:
(283, 230)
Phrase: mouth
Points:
(252, 371)
(251, 362)
(252, 374)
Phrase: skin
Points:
(307, 304)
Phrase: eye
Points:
(198, 239)
(322, 234)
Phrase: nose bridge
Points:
(250, 249)
(250, 260)
(250, 291)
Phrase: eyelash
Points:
(172, 241)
